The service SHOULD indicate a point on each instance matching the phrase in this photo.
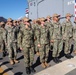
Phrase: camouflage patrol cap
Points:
(2, 23)
(49, 16)
(38, 19)
(56, 15)
(9, 19)
(14, 21)
(42, 19)
(68, 15)
(27, 19)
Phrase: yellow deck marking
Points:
(1, 72)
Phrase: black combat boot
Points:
(4, 54)
(71, 56)
(68, 56)
(32, 69)
(28, 70)
(55, 60)
(59, 60)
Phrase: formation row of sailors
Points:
(38, 36)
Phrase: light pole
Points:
(37, 6)
(28, 8)
(63, 7)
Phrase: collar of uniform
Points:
(68, 21)
(28, 28)
(55, 22)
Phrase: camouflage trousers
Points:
(57, 48)
(28, 55)
(36, 46)
(44, 51)
(68, 44)
(1, 45)
(18, 43)
(12, 47)
(75, 44)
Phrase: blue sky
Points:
(13, 8)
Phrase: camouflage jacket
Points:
(27, 40)
(37, 33)
(50, 27)
(74, 32)
(11, 34)
(2, 34)
(44, 39)
(67, 29)
(57, 33)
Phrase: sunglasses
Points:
(15, 22)
(28, 21)
(57, 16)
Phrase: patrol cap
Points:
(56, 15)
(68, 15)
(2, 23)
(14, 21)
(42, 19)
(9, 20)
(49, 16)
(27, 19)
(38, 19)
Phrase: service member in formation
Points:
(44, 43)
(67, 32)
(50, 27)
(17, 29)
(56, 38)
(2, 42)
(36, 35)
(28, 46)
(11, 41)
(74, 36)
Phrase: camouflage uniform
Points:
(57, 37)
(16, 29)
(44, 44)
(36, 37)
(28, 46)
(2, 42)
(15, 33)
(11, 41)
(1, 38)
(19, 34)
(67, 32)
(74, 36)
(50, 27)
